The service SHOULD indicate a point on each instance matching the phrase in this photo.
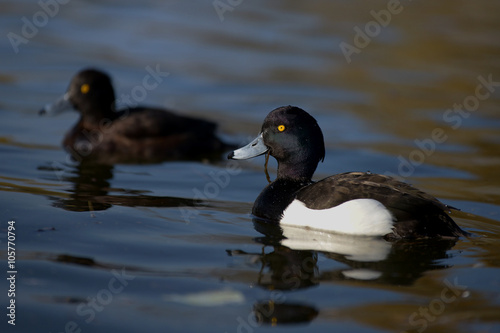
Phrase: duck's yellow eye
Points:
(85, 88)
(281, 128)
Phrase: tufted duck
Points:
(355, 203)
(139, 134)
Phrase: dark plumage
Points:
(417, 213)
(294, 138)
(139, 134)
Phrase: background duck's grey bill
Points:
(60, 105)
(254, 148)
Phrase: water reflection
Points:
(368, 258)
(294, 264)
(284, 270)
(91, 190)
(271, 312)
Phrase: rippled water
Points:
(171, 246)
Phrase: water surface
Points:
(171, 246)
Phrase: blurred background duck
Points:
(134, 135)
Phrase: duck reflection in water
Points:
(91, 190)
(298, 255)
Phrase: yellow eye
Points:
(281, 128)
(85, 88)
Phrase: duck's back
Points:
(146, 135)
(415, 213)
(145, 122)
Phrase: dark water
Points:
(171, 246)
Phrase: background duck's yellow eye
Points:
(85, 88)
(281, 128)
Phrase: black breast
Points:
(275, 197)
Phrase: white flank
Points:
(366, 217)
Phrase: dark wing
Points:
(416, 213)
(149, 122)
(148, 134)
